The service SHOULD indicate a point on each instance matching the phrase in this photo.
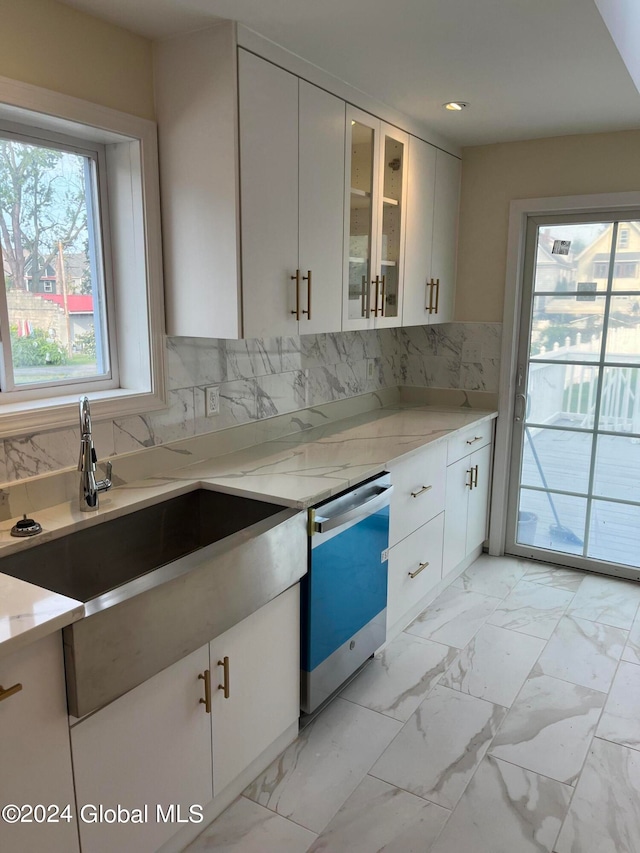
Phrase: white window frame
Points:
(132, 257)
(519, 212)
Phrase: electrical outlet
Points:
(212, 400)
(471, 354)
(371, 369)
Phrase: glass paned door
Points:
(360, 218)
(392, 214)
(575, 469)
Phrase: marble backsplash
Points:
(263, 378)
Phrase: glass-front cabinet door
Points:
(374, 217)
(393, 173)
(361, 182)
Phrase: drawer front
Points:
(409, 578)
(466, 441)
(419, 489)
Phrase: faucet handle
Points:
(109, 470)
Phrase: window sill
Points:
(29, 417)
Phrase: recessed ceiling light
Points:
(455, 106)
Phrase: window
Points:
(623, 238)
(51, 218)
(81, 309)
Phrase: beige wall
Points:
(57, 47)
(493, 175)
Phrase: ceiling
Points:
(528, 68)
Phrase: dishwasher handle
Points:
(369, 507)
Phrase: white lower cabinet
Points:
(34, 749)
(150, 747)
(415, 567)
(162, 744)
(466, 506)
(262, 699)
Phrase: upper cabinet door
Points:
(321, 209)
(268, 115)
(418, 288)
(445, 235)
(388, 274)
(361, 219)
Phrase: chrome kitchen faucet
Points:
(89, 486)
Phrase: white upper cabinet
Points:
(320, 208)
(285, 209)
(252, 171)
(432, 227)
(268, 112)
(375, 193)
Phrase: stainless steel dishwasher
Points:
(344, 594)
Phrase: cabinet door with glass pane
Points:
(361, 218)
(388, 272)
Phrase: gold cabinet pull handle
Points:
(296, 278)
(475, 478)
(10, 691)
(383, 295)
(473, 440)
(307, 278)
(435, 310)
(470, 473)
(421, 491)
(364, 296)
(375, 282)
(429, 308)
(206, 677)
(420, 568)
(224, 663)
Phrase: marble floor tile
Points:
(549, 728)
(532, 608)
(378, 818)
(631, 651)
(439, 748)
(397, 680)
(492, 575)
(559, 578)
(494, 665)
(454, 617)
(251, 828)
(313, 777)
(601, 599)
(506, 809)
(583, 652)
(604, 816)
(620, 721)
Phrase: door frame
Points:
(520, 210)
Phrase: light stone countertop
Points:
(297, 470)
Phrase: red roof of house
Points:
(77, 303)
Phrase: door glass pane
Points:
(623, 330)
(52, 268)
(550, 521)
(566, 255)
(562, 394)
(617, 473)
(567, 327)
(585, 307)
(360, 223)
(626, 268)
(556, 459)
(620, 406)
(392, 213)
(614, 533)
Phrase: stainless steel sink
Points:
(99, 559)
(161, 582)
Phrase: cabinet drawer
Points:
(419, 487)
(408, 582)
(466, 441)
